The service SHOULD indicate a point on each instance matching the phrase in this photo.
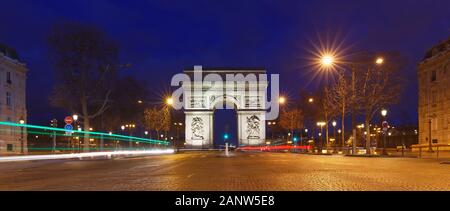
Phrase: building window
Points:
(8, 99)
(8, 77)
(433, 75)
(433, 97)
(9, 147)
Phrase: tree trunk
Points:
(367, 126)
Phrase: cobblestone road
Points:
(244, 171)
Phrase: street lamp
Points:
(75, 117)
(169, 101)
(282, 100)
(383, 114)
(21, 121)
(327, 60)
(379, 61)
(310, 100)
(321, 124)
(334, 123)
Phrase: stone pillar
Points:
(251, 128)
(199, 129)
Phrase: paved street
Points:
(244, 171)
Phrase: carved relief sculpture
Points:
(197, 128)
(253, 124)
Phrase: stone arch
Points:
(200, 106)
(224, 99)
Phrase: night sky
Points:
(160, 38)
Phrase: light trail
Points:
(269, 148)
(84, 155)
(100, 134)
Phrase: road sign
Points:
(385, 126)
(68, 127)
(68, 120)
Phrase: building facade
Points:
(13, 140)
(434, 95)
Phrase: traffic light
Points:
(225, 136)
(295, 139)
(54, 123)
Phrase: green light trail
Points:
(69, 136)
(99, 134)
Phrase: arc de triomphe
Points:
(244, 92)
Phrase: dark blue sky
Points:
(160, 38)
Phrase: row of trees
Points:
(157, 119)
(364, 90)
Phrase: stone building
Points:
(434, 95)
(12, 101)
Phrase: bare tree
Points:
(291, 120)
(151, 119)
(328, 108)
(379, 86)
(85, 64)
(165, 119)
(340, 96)
(124, 106)
(157, 119)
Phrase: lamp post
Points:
(383, 114)
(342, 141)
(76, 125)
(321, 124)
(21, 121)
(334, 123)
(327, 61)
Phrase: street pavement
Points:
(242, 171)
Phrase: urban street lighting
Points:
(334, 123)
(327, 60)
(75, 117)
(282, 100)
(383, 114)
(321, 124)
(21, 121)
(169, 101)
(311, 100)
(379, 61)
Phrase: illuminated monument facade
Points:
(12, 101)
(240, 91)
